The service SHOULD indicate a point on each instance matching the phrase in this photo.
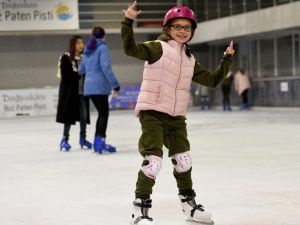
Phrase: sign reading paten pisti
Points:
(22, 15)
(31, 102)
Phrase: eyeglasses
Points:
(178, 27)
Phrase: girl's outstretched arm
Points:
(212, 79)
(150, 51)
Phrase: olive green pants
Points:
(160, 129)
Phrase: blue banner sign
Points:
(126, 98)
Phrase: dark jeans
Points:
(226, 95)
(83, 114)
(67, 128)
(245, 97)
(102, 106)
(83, 118)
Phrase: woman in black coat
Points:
(72, 105)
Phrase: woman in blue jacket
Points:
(99, 82)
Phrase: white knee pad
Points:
(183, 162)
(152, 169)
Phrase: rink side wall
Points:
(266, 93)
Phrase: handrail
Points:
(126, 4)
(91, 13)
(117, 12)
(117, 20)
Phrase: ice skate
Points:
(64, 145)
(110, 148)
(84, 143)
(244, 106)
(99, 144)
(227, 107)
(195, 213)
(140, 212)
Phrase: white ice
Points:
(246, 171)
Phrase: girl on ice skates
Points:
(162, 104)
(72, 105)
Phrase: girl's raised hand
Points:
(229, 50)
(131, 13)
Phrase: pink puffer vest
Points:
(166, 83)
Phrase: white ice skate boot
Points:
(195, 213)
(140, 212)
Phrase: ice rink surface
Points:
(246, 171)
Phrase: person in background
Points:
(242, 85)
(204, 98)
(72, 105)
(99, 82)
(226, 88)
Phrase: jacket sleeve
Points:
(105, 66)
(212, 79)
(81, 68)
(150, 51)
(67, 73)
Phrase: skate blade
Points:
(198, 222)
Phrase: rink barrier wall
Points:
(28, 102)
(43, 101)
(270, 92)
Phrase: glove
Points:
(117, 88)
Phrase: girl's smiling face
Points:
(180, 30)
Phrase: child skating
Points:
(162, 104)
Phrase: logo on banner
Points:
(63, 12)
(38, 15)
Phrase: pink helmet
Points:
(180, 12)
